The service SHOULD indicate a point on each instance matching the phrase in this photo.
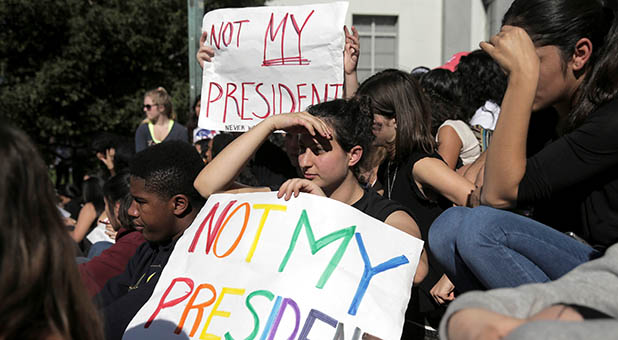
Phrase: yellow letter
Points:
(225, 290)
(267, 208)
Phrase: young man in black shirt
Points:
(165, 203)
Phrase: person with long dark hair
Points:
(414, 175)
(559, 53)
(40, 289)
(93, 206)
(456, 142)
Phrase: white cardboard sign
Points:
(252, 266)
(270, 60)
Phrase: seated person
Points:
(164, 205)
(333, 136)
(575, 177)
(41, 293)
(584, 297)
(112, 261)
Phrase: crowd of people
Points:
(503, 161)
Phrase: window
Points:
(378, 40)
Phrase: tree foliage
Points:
(72, 68)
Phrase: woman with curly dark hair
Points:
(414, 174)
(40, 289)
(480, 80)
(457, 143)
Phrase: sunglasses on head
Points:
(149, 106)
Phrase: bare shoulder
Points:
(404, 222)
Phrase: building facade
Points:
(405, 34)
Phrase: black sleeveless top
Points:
(377, 206)
(400, 186)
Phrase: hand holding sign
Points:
(269, 60)
(295, 186)
(256, 267)
(205, 53)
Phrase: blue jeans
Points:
(486, 248)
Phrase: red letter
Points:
(213, 35)
(299, 31)
(229, 94)
(242, 101)
(229, 24)
(337, 86)
(300, 98)
(269, 29)
(272, 86)
(200, 309)
(211, 233)
(239, 22)
(281, 98)
(174, 302)
(257, 89)
(316, 95)
(218, 96)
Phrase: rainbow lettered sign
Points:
(270, 60)
(252, 266)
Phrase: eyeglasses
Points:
(149, 106)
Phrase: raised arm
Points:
(505, 166)
(219, 174)
(351, 53)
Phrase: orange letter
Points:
(200, 309)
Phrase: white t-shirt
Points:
(486, 116)
(471, 149)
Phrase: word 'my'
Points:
(344, 235)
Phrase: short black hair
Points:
(169, 169)
(351, 121)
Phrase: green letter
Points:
(346, 234)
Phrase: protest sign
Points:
(252, 266)
(270, 60)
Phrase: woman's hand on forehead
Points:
(514, 50)
(301, 122)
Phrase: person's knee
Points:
(444, 230)
(481, 226)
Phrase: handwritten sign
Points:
(252, 266)
(270, 60)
